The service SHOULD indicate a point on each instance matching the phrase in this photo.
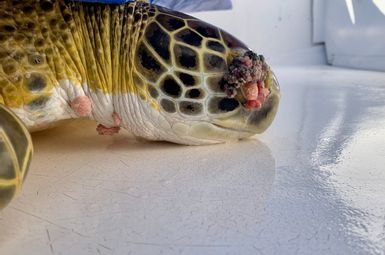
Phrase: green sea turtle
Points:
(158, 73)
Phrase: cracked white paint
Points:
(312, 184)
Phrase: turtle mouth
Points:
(246, 131)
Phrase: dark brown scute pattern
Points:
(190, 108)
(228, 104)
(189, 37)
(194, 93)
(159, 40)
(186, 57)
(219, 105)
(216, 46)
(168, 105)
(188, 79)
(191, 40)
(171, 88)
(206, 30)
(214, 83)
(169, 22)
(214, 63)
(148, 63)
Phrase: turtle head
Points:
(203, 84)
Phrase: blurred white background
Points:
(294, 32)
(278, 29)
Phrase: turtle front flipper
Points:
(15, 154)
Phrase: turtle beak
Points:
(255, 121)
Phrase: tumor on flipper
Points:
(103, 130)
(82, 106)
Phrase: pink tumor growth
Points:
(247, 73)
(103, 130)
(82, 106)
(117, 119)
(255, 94)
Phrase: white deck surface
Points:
(314, 183)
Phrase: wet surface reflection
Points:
(120, 192)
(321, 193)
(335, 170)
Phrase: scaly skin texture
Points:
(155, 72)
(53, 51)
(45, 45)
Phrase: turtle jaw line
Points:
(242, 131)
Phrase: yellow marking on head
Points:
(155, 105)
